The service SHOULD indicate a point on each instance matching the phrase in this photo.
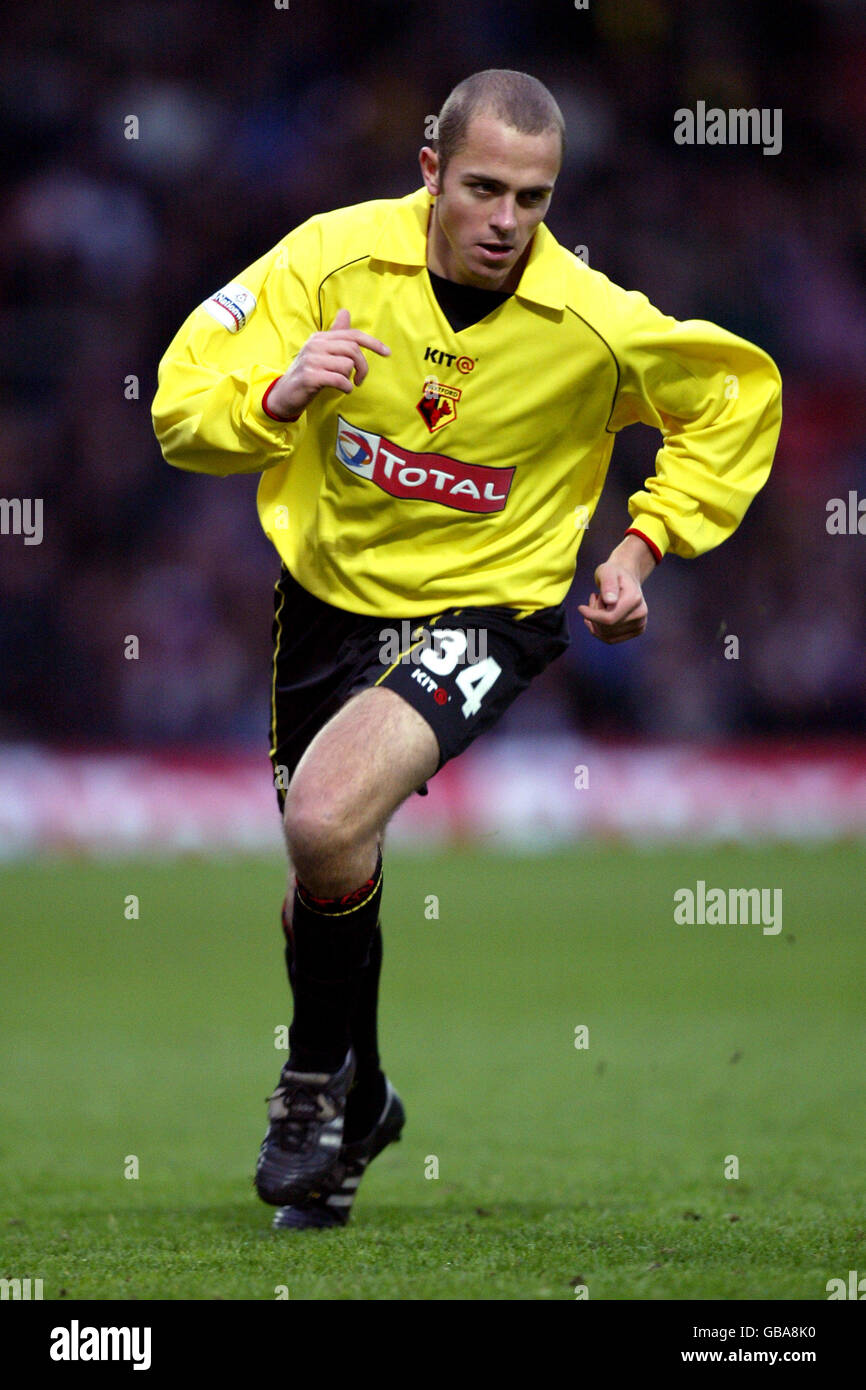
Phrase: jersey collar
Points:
(402, 240)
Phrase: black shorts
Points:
(459, 668)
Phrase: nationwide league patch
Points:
(231, 306)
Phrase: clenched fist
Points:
(618, 611)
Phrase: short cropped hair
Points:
(519, 100)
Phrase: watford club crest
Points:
(438, 405)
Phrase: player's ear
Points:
(429, 161)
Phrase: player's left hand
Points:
(618, 611)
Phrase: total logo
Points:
(354, 448)
(466, 487)
(449, 359)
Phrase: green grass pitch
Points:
(153, 1038)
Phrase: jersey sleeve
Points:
(716, 399)
(209, 413)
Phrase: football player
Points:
(430, 387)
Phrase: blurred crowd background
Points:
(253, 118)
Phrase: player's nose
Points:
(503, 219)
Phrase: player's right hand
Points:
(327, 359)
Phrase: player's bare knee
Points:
(318, 833)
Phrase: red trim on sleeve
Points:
(270, 413)
(657, 555)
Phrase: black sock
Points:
(367, 1097)
(331, 947)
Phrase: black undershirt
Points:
(464, 305)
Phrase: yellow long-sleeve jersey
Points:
(466, 466)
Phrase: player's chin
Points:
(488, 268)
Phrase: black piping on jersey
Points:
(615, 363)
(353, 261)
